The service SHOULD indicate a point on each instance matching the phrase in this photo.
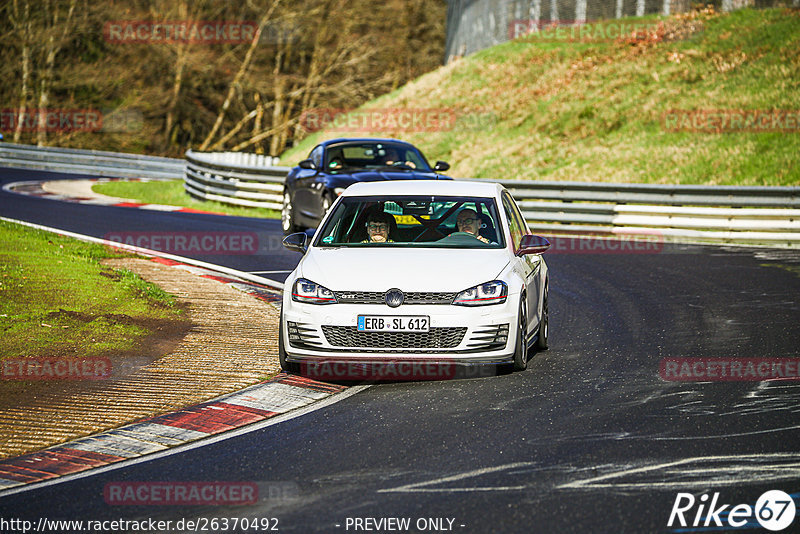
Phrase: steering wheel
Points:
(401, 165)
(425, 231)
(455, 234)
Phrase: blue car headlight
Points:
(311, 292)
(494, 292)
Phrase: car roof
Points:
(362, 140)
(465, 188)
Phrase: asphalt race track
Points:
(107, 221)
(589, 439)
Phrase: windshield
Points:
(345, 157)
(413, 221)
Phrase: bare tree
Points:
(22, 26)
(177, 81)
(247, 96)
(57, 31)
(239, 75)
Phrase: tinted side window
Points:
(523, 224)
(414, 158)
(514, 226)
(316, 156)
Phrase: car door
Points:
(529, 264)
(306, 195)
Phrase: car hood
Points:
(380, 269)
(378, 176)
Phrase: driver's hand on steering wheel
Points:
(409, 164)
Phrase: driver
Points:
(392, 157)
(468, 222)
(378, 227)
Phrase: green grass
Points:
(56, 299)
(172, 193)
(794, 269)
(594, 110)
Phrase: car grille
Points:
(377, 297)
(435, 338)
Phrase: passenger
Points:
(468, 222)
(379, 224)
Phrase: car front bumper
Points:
(458, 335)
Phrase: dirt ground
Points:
(228, 341)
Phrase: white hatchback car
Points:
(459, 279)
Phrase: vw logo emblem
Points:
(394, 298)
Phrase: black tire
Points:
(286, 367)
(544, 323)
(287, 215)
(325, 205)
(521, 348)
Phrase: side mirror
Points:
(441, 166)
(307, 164)
(297, 242)
(532, 244)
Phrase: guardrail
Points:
(234, 178)
(737, 214)
(90, 162)
(693, 212)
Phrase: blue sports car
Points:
(313, 185)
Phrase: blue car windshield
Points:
(413, 221)
(345, 157)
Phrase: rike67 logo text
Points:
(774, 510)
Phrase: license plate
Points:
(393, 323)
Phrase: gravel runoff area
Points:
(79, 189)
(228, 342)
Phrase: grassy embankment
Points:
(57, 300)
(171, 193)
(594, 110)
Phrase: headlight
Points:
(311, 292)
(489, 293)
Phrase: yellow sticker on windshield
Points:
(408, 219)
